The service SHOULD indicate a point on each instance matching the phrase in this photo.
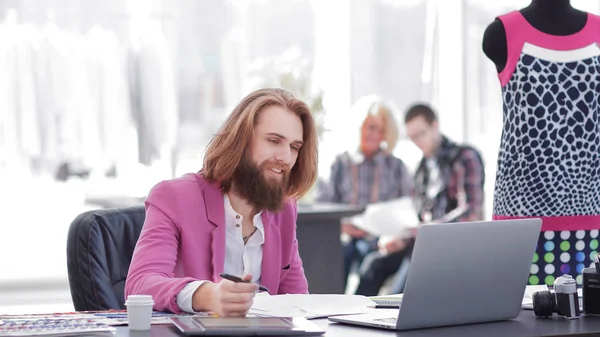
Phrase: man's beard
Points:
(251, 184)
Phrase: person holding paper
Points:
(449, 184)
(237, 215)
(368, 174)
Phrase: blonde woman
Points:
(368, 173)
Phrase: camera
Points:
(591, 291)
(564, 300)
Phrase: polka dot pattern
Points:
(534, 269)
(562, 252)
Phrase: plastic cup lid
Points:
(139, 299)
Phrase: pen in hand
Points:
(240, 280)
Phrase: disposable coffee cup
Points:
(139, 311)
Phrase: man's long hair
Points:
(226, 149)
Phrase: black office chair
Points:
(399, 278)
(100, 245)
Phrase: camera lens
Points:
(543, 303)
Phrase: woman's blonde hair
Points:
(374, 105)
(226, 149)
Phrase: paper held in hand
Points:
(388, 218)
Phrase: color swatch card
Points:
(54, 327)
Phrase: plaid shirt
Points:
(462, 175)
(394, 180)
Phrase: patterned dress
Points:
(549, 158)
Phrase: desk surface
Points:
(525, 325)
(325, 213)
(318, 209)
(326, 208)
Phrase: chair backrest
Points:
(100, 245)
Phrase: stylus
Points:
(239, 279)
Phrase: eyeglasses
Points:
(419, 135)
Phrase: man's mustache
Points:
(274, 165)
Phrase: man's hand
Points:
(391, 245)
(413, 232)
(226, 298)
(353, 231)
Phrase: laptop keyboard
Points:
(389, 304)
(386, 319)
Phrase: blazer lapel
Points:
(215, 211)
(271, 262)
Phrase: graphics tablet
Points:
(245, 326)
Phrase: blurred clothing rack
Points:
(72, 102)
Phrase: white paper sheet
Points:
(388, 218)
(310, 306)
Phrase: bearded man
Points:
(237, 215)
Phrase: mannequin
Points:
(554, 17)
(547, 57)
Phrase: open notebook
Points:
(387, 301)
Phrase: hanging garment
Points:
(109, 95)
(21, 115)
(154, 97)
(549, 158)
(8, 136)
(52, 93)
(80, 136)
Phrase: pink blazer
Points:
(183, 240)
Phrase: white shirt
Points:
(240, 259)
(436, 182)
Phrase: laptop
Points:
(462, 273)
(245, 326)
